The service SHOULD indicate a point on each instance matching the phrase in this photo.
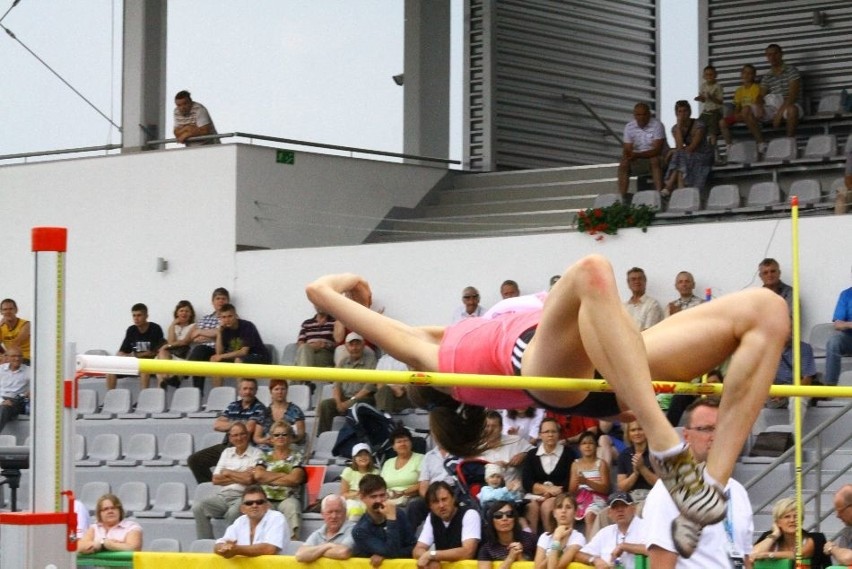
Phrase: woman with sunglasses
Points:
(279, 409)
(556, 550)
(111, 532)
(281, 474)
(503, 538)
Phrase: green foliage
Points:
(608, 220)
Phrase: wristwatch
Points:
(433, 554)
(591, 560)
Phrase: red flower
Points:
(598, 213)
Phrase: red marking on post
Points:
(70, 393)
(50, 239)
(30, 519)
(794, 201)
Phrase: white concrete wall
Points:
(123, 212)
(320, 199)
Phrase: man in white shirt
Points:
(621, 541)
(233, 473)
(470, 307)
(450, 533)
(14, 386)
(259, 531)
(645, 310)
(643, 149)
(674, 542)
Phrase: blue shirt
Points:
(784, 375)
(843, 311)
(392, 539)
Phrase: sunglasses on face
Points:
(501, 515)
(280, 435)
(254, 502)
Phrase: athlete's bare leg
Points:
(584, 327)
(752, 326)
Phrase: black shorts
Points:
(596, 404)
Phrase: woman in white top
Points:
(177, 340)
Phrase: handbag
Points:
(771, 444)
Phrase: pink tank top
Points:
(484, 346)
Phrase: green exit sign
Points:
(285, 157)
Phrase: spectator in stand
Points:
(711, 97)
(841, 547)
(546, 473)
(14, 331)
(316, 341)
(643, 150)
(559, 548)
(110, 532)
(680, 402)
(781, 88)
(784, 375)
(524, 423)
(259, 531)
(770, 274)
(672, 539)
(246, 411)
(392, 397)
(333, 540)
(589, 482)
(840, 343)
(470, 307)
(634, 472)
(192, 119)
(237, 341)
(362, 465)
(178, 339)
(504, 539)
(509, 451)
(450, 533)
(685, 285)
(401, 473)
(617, 544)
(691, 158)
(509, 289)
(644, 310)
(14, 386)
(553, 280)
(383, 532)
(432, 469)
(203, 337)
(748, 107)
(282, 476)
(279, 409)
(345, 395)
(780, 541)
(495, 489)
(234, 471)
(141, 340)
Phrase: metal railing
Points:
(815, 465)
(251, 138)
(594, 115)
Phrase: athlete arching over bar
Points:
(580, 328)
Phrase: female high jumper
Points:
(582, 329)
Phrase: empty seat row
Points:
(170, 498)
(141, 449)
(186, 401)
(726, 198)
(819, 148)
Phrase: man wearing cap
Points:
(619, 542)
(673, 541)
(383, 532)
(345, 395)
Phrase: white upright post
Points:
(42, 536)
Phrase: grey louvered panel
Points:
(740, 30)
(603, 52)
